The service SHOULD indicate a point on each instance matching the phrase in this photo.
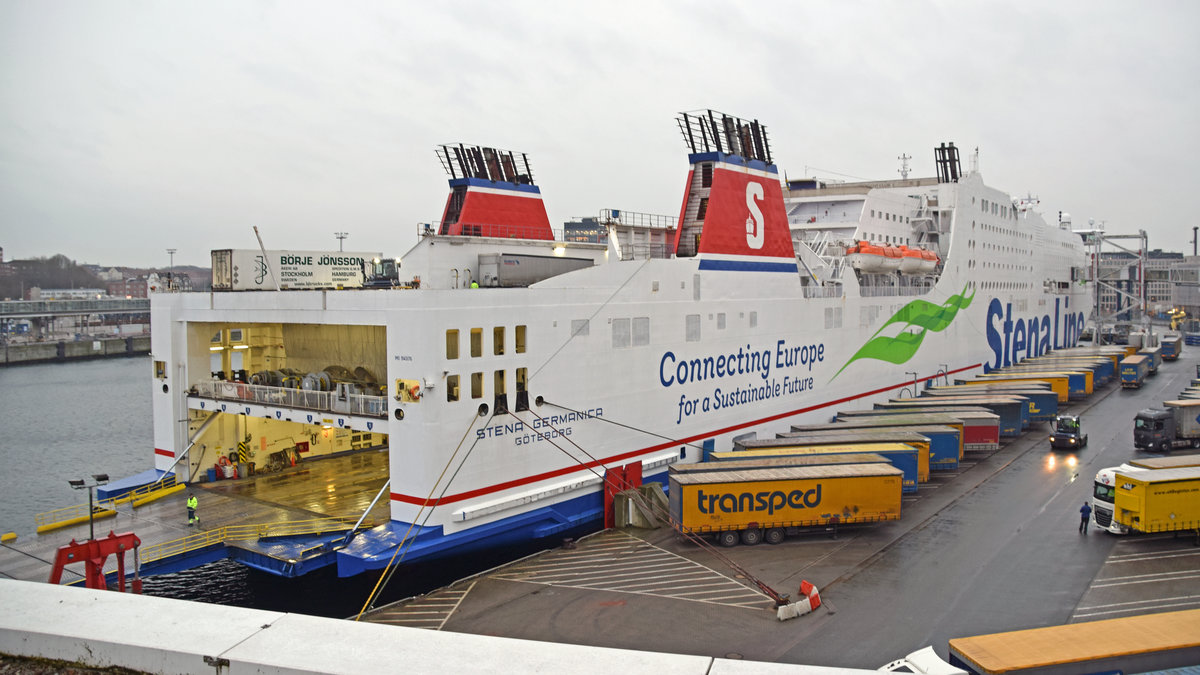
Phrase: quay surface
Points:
(993, 546)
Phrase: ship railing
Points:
(834, 291)
(247, 532)
(636, 219)
(282, 397)
(69, 515)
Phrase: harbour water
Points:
(60, 421)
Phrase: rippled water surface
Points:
(69, 420)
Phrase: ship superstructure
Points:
(502, 406)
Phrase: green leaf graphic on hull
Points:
(919, 313)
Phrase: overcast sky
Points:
(127, 128)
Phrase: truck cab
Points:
(1154, 430)
(1104, 496)
(1068, 433)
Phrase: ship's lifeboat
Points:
(867, 257)
(917, 260)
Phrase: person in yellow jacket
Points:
(192, 503)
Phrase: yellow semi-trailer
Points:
(755, 505)
(1158, 500)
(777, 462)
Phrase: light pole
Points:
(171, 252)
(341, 236)
(79, 484)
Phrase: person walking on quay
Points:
(1085, 514)
(192, 503)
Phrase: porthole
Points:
(165, 389)
(399, 413)
(483, 409)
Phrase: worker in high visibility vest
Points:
(192, 503)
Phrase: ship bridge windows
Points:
(498, 340)
(452, 344)
(451, 388)
(476, 385)
(519, 339)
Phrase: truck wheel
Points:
(1195, 443)
(1164, 447)
(1084, 444)
(728, 538)
(752, 536)
(774, 535)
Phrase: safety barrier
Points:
(72, 515)
(255, 531)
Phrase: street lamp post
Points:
(79, 484)
(341, 236)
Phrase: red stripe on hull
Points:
(164, 453)
(616, 459)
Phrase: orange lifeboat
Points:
(917, 260)
(867, 257)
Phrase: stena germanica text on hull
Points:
(506, 370)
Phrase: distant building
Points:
(132, 287)
(36, 293)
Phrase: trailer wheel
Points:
(752, 536)
(1195, 443)
(774, 535)
(728, 538)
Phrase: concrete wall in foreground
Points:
(41, 352)
(157, 635)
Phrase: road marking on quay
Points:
(618, 562)
(430, 611)
(1138, 606)
(1147, 578)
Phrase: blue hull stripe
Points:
(747, 266)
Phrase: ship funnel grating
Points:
(477, 161)
(711, 131)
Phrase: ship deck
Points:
(296, 504)
(993, 546)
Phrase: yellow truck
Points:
(755, 505)
(1158, 500)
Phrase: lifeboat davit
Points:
(917, 260)
(867, 257)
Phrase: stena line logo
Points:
(755, 234)
(751, 502)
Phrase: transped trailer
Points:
(912, 462)
(1158, 500)
(1012, 411)
(755, 505)
(1058, 384)
(1103, 370)
(776, 462)
(1133, 371)
(1132, 644)
(1104, 487)
(1080, 383)
(980, 430)
(1042, 403)
(1172, 346)
(1153, 358)
(938, 443)
(894, 422)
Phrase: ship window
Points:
(754, 319)
(476, 342)
(720, 320)
(641, 331)
(235, 334)
(160, 369)
(522, 389)
(706, 171)
(452, 388)
(501, 393)
(476, 385)
(452, 343)
(692, 323)
(702, 209)
(498, 340)
(519, 340)
(620, 333)
(579, 327)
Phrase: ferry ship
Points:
(511, 371)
